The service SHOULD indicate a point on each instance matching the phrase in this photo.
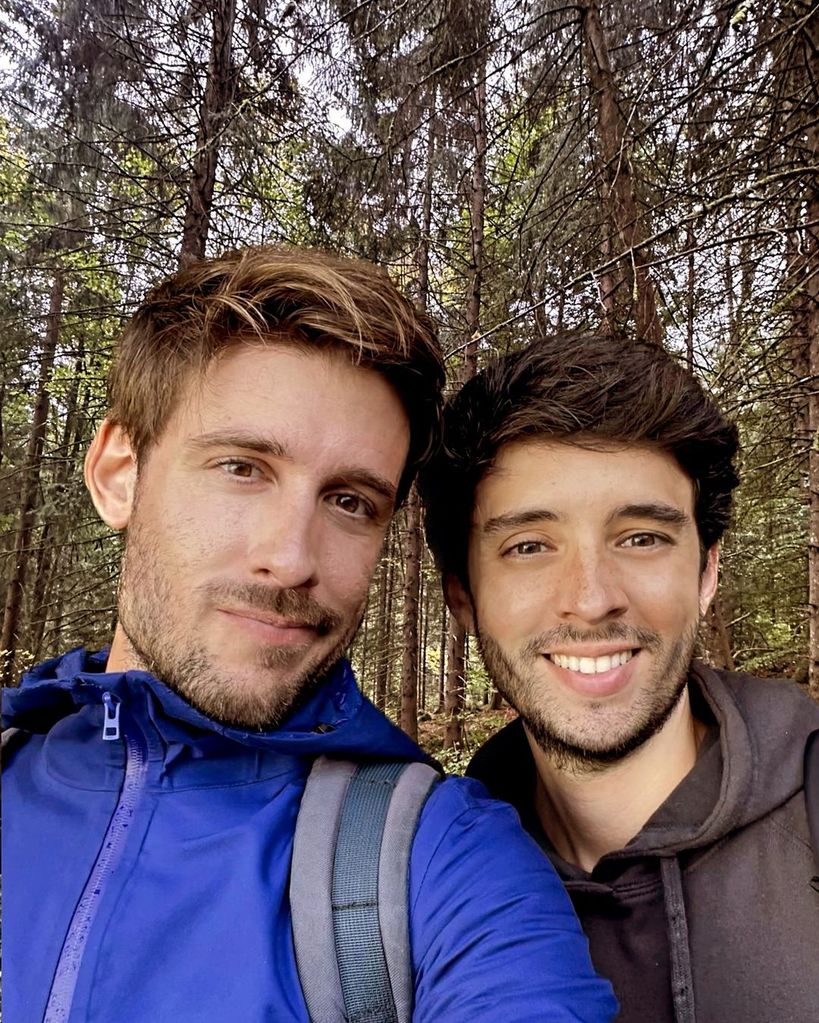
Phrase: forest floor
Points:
(479, 723)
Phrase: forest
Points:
(518, 166)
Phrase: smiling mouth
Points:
(592, 665)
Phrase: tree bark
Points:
(54, 529)
(408, 713)
(408, 716)
(802, 284)
(455, 684)
(456, 648)
(442, 659)
(30, 485)
(423, 642)
(382, 632)
(626, 290)
(213, 116)
(720, 653)
(811, 319)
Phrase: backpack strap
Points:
(349, 889)
(812, 795)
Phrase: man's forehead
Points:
(578, 465)
(217, 389)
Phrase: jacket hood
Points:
(336, 720)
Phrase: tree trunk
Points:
(388, 624)
(30, 485)
(442, 660)
(718, 639)
(455, 685)
(456, 659)
(54, 529)
(626, 290)
(408, 713)
(408, 716)
(213, 116)
(811, 320)
(803, 286)
(422, 251)
(423, 644)
(382, 632)
(456, 652)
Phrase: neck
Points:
(589, 814)
(122, 656)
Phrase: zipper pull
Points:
(110, 724)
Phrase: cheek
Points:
(512, 604)
(347, 569)
(195, 538)
(666, 600)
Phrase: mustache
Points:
(291, 604)
(613, 632)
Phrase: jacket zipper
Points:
(61, 995)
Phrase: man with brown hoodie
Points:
(576, 513)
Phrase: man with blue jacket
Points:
(268, 410)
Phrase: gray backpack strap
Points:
(311, 879)
(349, 889)
(411, 792)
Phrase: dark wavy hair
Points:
(578, 389)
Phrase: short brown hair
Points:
(577, 388)
(268, 294)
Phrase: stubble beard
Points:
(592, 739)
(163, 646)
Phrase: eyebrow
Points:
(653, 510)
(345, 476)
(513, 520)
(365, 478)
(240, 439)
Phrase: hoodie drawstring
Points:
(682, 981)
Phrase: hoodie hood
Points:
(337, 720)
(765, 725)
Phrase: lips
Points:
(271, 629)
(277, 621)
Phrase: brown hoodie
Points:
(708, 915)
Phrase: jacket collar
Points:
(336, 720)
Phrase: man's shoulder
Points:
(774, 700)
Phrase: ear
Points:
(111, 473)
(709, 578)
(459, 602)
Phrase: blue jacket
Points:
(154, 868)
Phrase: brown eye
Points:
(642, 540)
(526, 548)
(353, 505)
(234, 467)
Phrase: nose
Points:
(285, 546)
(591, 590)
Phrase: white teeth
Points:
(592, 665)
